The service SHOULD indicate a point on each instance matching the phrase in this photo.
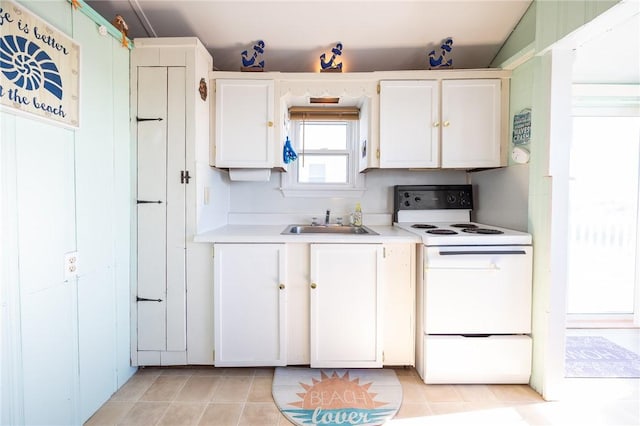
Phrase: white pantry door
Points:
(161, 293)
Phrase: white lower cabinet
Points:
(345, 309)
(250, 304)
(398, 283)
(324, 305)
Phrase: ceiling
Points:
(377, 35)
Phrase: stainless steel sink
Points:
(327, 229)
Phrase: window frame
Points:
(355, 185)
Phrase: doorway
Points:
(603, 265)
(603, 219)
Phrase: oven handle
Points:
(475, 252)
(492, 267)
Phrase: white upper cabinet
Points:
(244, 123)
(471, 123)
(409, 124)
(458, 126)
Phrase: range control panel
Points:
(432, 197)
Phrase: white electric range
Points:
(473, 292)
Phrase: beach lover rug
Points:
(345, 397)
(595, 356)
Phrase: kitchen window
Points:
(326, 164)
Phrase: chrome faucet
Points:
(326, 218)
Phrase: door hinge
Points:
(138, 119)
(382, 356)
(184, 176)
(384, 252)
(378, 88)
(144, 299)
(378, 153)
(213, 251)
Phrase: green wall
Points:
(65, 343)
(535, 84)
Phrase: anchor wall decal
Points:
(441, 61)
(250, 60)
(332, 63)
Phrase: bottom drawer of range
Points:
(492, 359)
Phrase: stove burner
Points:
(486, 231)
(423, 226)
(441, 231)
(464, 225)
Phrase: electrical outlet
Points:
(70, 265)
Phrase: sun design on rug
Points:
(335, 392)
(338, 400)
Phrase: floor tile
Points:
(198, 389)
(205, 370)
(232, 389)
(264, 371)
(411, 410)
(514, 393)
(111, 413)
(413, 393)
(447, 407)
(283, 421)
(164, 388)
(177, 371)
(240, 371)
(259, 414)
(442, 393)
(145, 413)
(233, 397)
(135, 387)
(475, 393)
(221, 414)
(260, 390)
(182, 414)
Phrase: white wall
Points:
(503, 194)
(265, 198)
(65, 343)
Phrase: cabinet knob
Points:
(281, 286)
(270, 123)
(446, 124)
(314, 285)
(436, 124)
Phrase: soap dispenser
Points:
(357, 216)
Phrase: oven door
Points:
(477, 290)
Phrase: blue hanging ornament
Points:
(288, 153)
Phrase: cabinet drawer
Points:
(492, 359)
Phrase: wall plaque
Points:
(39, 66)
(522, 127)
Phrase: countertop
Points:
(272, 234)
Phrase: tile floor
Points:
(242, 396)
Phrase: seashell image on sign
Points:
(39, 66)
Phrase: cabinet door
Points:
(244, 123)
(471, 123)
(250, 304)
(345, 319)
(398, 287)
(161, 289)
(409, 124)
